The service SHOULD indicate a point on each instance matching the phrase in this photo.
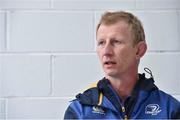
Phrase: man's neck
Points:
(123, 85)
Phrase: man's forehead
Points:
(121, 25)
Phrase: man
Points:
(122, 93)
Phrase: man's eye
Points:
(100, 43)
(117, 42)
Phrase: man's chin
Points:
(110, 73)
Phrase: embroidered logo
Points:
(152, 109)
(99, 110)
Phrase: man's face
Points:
(115, 49)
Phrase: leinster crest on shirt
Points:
(152, 109)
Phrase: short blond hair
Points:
(134, 23)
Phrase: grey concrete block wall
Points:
(36, 108)
(48, 51)
(160, 4)
(69, 74)
(161, 28)
(25, 75)
(28, 30)
(25, 4)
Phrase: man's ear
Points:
(141, 49)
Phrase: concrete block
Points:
(25, 75)
(161, 28)
(93, 4)
(24, 4)
(157, 4)
(73, 74)
(36, 108)
(51, 31)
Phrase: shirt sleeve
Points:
(70, 114)
(74, 111)
(177, 113)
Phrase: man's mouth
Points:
(109, 63)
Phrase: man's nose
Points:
(108, 50)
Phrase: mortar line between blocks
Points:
(51, 4)
(6, 109)
(51, 75)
